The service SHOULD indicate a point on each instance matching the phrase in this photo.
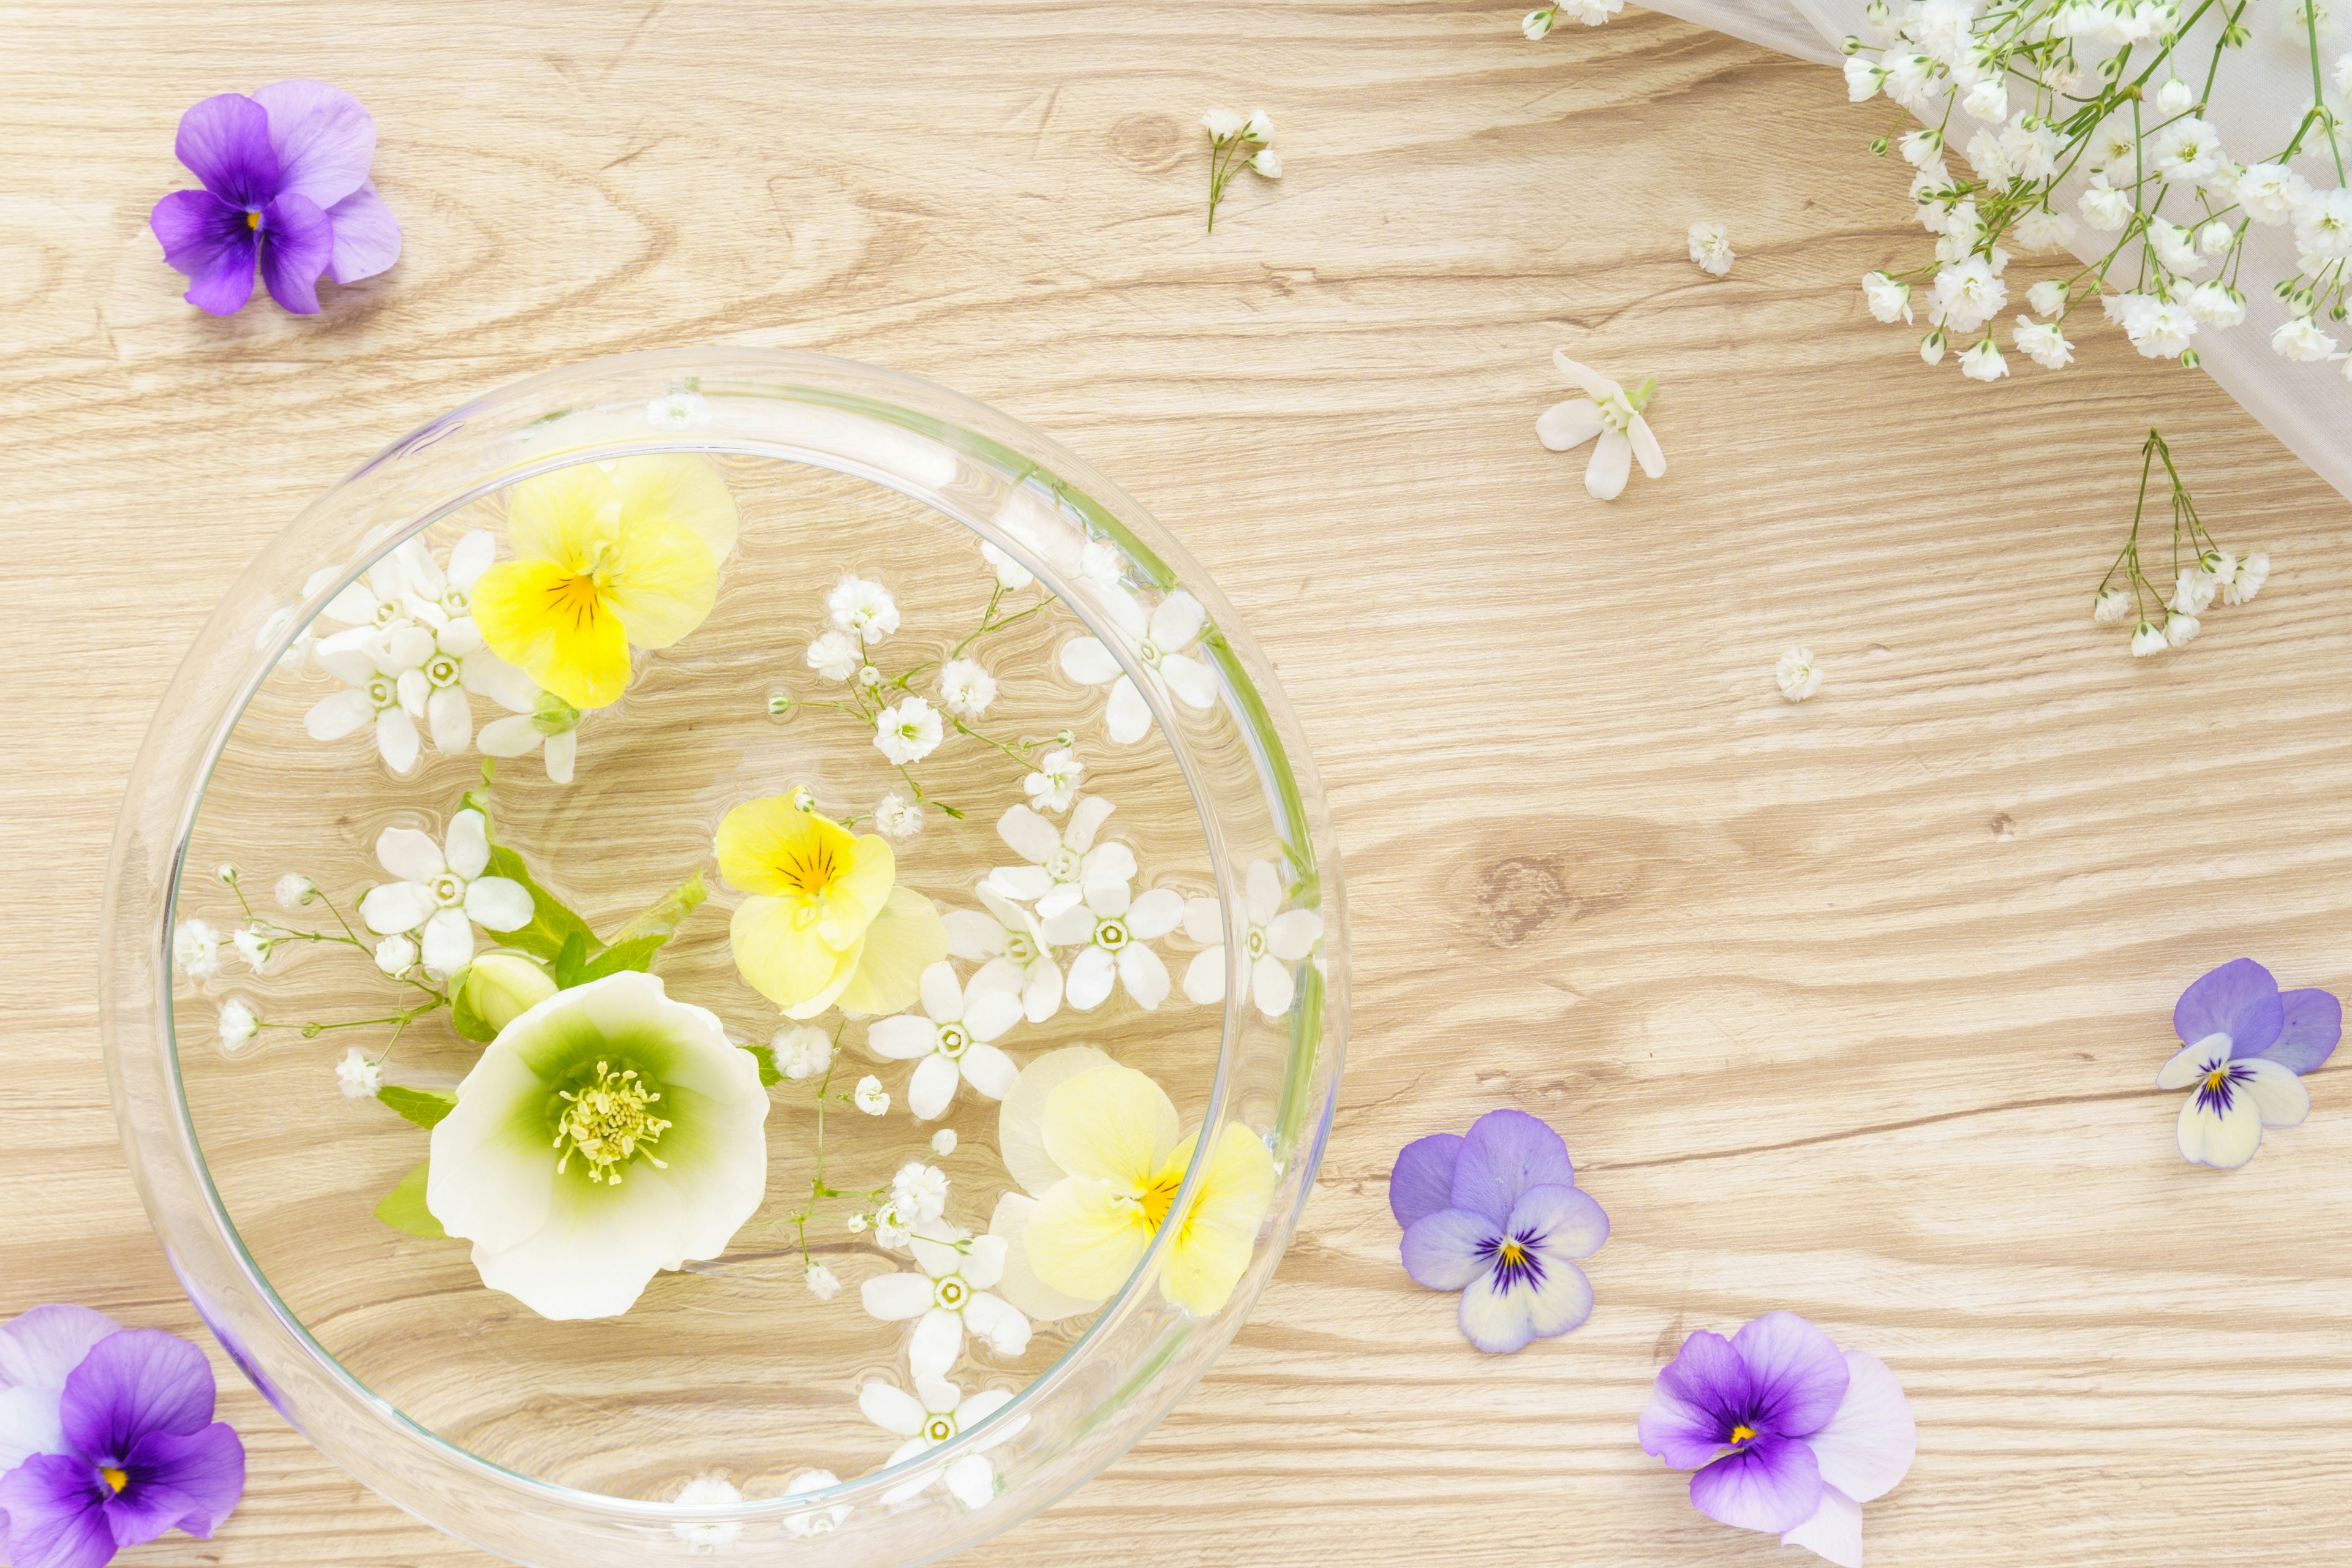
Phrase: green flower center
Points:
(953, 1041)
(1110, 935)
(951, 1292)
(608, 1123)
(939, 1429)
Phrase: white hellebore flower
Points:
(1055, 782)
(950, 1298)
(2237, 1097)
(369, 663)
(935, 1413)
(442, 891)
(357, 1077)
(863, 608)
(1608, 411)
(196, 948)
(1011, 949)
(1159, 643)
(1710, 248)
(1272, 942)
(1798, 676)
(951, 1042)
(607, 1134)
(1112, 925)
(1064, 862)
(907, 731)
(965, 689)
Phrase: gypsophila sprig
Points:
(1539, 23)
(2110, 100)
(1234, 144)
(2200, 570)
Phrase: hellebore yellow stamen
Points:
(607, 1123)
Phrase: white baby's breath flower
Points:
(801, 1050)
(1011, 575)
(816, 1521)
(2047, 296)
(2104, 207)
(2158, 329)
(1710, 248)
(943, 1143)
(1991, 160)
(678, 411)
(2300, 338)
(1987, 100)
(2247, 580)
(2186, 151)
(1221, 125)
(2148, 638)
(1260, 126)
(837, 654)
(823, 1282)
(1593, 13)
(907, 731)
(863, 608)
(2111, 607)
(1538, 23)
(2043, 344)
(2216, 238)
(1797, 675)
(357, 1077)
(2217, 567)
(255, 947)
(2271, 192)
(1968, 295)
(2175, 246)
(1931, 347)
(966, 689)
(2176, 96)
(704, 1491)
(1268, 162)
(1888, 299)
(2041, 229)
(237, 1024)
(1919, 148)
(2192, 592)
(2180, 630)
(396, 955)
(196, 948)
(869, 1096)
(2216, 304)
(1984, 361)
(294, 890)
(1863, 78)
(1055, 784)
(896, 819)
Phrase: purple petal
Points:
(1423, 1182)
(56, 1517)
(2313, 1023)
(297, 242)
(1700, 1396)
(209, 240)
(1772, 1484)
(225, 142)
(367, 237)
(1799, 1379)
(1564, 1221)
(138, 1382)
(1448, 1250)
(2239, 1000)
(323, 139)
(42, 1347)
(190, 1480)
(1507, 1153)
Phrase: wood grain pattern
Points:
(1850, 1008)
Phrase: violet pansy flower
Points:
(1786, 1434)
(108, 1439)
(1498, 1216)
(285, 176)
(2243, 1044)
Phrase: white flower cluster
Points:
(1539, 22)
(1235, 144)
(2159, 620)
(862, 612)
(2109, 93)
(1710, 248)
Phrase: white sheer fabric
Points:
(2261, 93)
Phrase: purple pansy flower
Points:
(1498, 1216)
(285, 178)
(1786, 1433)
(109, 1437)
(2244, 1041)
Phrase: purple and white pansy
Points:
(1498, 1216)
(2244, 1044)
(1786, 1433)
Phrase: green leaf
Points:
(636, 953)
(554, 922)
(769, 1076)
(662, 917)
(572, 962)
(404, 1207)
(425, 1107)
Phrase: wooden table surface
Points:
(1851, 1009)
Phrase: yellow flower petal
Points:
(688, 491)
(660, 579)
(1086, 1236)
(772, 847)
(1213, 1242)
(548, 621)
(905, 938)
(565, 516)
(758, 837)
(1112, 1123)
(780, 952)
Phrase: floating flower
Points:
(898, 818)
(238, 1025)
(196, 948)
(1798, 676)
(1054, 785)
(966, 689)
(607, 1134)
(1111, 928)
(543, 719)
(935, 1413)
(706, 1491)
(442, 893)
(369, 663)
(608, 556)
(107, 1437)
(907, 731)
(943, 1143)
(1159, 643)
(948, 1297)
(1010, 945)
(2244, 1043)
(285, 176)
(837, 654)
(1710, 248)
(823, 1282)
(1101, 1154)
(357, 1077)
(1786, 1433)
(1498, 1216)
(801, 1050)
(951, 1041)
(864, 609)
(1608, 411)
(1273, 941)
(1064, 862)
(825, 922)
(871, 1097)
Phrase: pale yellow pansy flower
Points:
(608, 556)
(1112, 1134)
(825, 922)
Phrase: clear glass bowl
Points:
(571, 1442)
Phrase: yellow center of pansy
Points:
(1743, 1433)
(252, 220)
(2217, 1078)
(608, 1123)
(1512, 1253)
(1161, 1196)
(115, 1479)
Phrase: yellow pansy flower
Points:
(825, 922)
(1113, 1133)
(607, 556)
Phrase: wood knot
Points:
(1153, 143)
(1522, 895)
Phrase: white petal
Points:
(942, 996)
(992, 1319)
(1598, 387)
(448, 944)
(1204, 977)
(983, 1266)
(469, 844)
(395, 739)
(903, 1038)
(2224, 1140)
(1020, 1285)
(2279, 1097)
(1090, 980)
(1087, 661)
(396, 907)
(1293, 934)
(561, 750)
(892, 1409)
(464, 638)
(499, 903)
(1109, 861)
(1566, 425)
(1021, 882)
(1834, 1531)
(1108, 899)
(1271, 986)
(353, 605)
(403, 648)
(1070, 926)
(417, 569)
(939, 1396)
(1030, 836)
(1869, 1444)
(452, 718)
(972, 1480)
(1613, 461)
(1204, 919)
(471, 557)
(894, 1298)
(1177, 621)
(1020, 1125)
(1085, 820)
(1261, 892)
(414, 690)
(1191, 680)
(1155, 914)
(492, 676)
(989, 1011)
(2192, 1062)
(1647, 448)
(1145, 977)
(1128, 717)
(932, 1088)
(1041, 997)
(513, 736)
(348, 657)
(410, 855)
(938, 1340)
(973, 936)
(989, 1070)
(332, 718)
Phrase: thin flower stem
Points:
(817, 1188)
